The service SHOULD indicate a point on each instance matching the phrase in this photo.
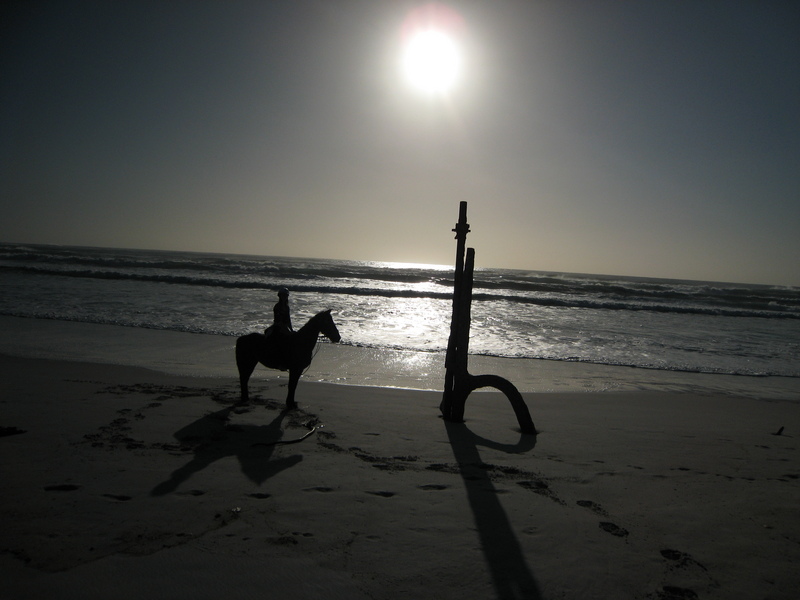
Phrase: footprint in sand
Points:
(593, 506)
(537, 486)
(681, 561)
(613, 529)
(62, 487)
(680, 558)
(121, 498)
(541, 487)
(671, 592)
(319, 488)
(284, 540)
(382, 494)
(432, 486)
(672, 554)
(5, 431)
(260, 496)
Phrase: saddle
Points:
(276, 342)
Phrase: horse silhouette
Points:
(291, 351)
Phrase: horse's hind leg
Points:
(246, 362)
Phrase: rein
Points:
(314, 355)
(282, 442)
(321, 339)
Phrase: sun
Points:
(432, 54)
(432, 61)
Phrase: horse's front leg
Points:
(294, 377)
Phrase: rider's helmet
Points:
(283, 293)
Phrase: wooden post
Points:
(461, 230)
(458, 383)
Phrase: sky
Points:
(626, 137)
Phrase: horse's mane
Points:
(317, 317)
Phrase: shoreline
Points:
(203, 355)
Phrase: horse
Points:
(284, 352)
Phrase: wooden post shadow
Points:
(458, 382)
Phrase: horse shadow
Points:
(511, 575)
(214, 438)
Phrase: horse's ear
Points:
(328, 311)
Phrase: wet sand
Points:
(204, 355)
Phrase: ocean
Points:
(656, 324)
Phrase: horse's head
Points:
(328, 327)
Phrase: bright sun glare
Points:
(432, 57)
(432, 61)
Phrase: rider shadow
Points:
(214, 438)
(510, 573)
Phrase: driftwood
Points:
(459, 383)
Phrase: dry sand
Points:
(121, 482)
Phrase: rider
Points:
(282, 323)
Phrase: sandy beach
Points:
(126, 482)
(592, 206)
